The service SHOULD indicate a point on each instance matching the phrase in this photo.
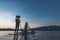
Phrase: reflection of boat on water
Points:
(30, 35)
(22, 33)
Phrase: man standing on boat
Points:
(17, 20)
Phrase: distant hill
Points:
(48, 28)
(44, 28)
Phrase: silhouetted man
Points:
(17, 20)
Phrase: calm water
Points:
(48, 35)
(40, 35)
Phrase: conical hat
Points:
(18, 16)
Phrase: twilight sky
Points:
(36, 12)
